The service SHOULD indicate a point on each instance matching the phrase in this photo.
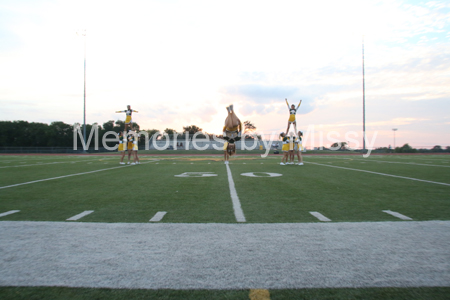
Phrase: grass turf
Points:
(136, 193)
(37, 293)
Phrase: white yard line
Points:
(444, 157)
(238, 213)
(395, 162)
(51, 163)
(383, 174)
(70, 175)
(398, 215)
(9, 213)
(37, 164)
(158, 216)
(319, 216)
(79, 216)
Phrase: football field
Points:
(191, 227)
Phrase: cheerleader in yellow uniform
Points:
(298, 148)
(132, 146)
(135, 149)
(228, 150)
(285, 148)
(122, 147)
(129, 119)
(292, 112)
(232, 131)
(292, 139)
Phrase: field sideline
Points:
(192, 223)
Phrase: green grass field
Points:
(343, 188)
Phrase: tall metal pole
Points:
(394, 129)
(364, 99)
(84, 127)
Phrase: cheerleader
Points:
(132, 146)
(228, 150)
(292, 112)
(122, 147)
(232, 131)
(135, 148)
(291, 149)
(128, 112)
(285, 148)
(298, 148)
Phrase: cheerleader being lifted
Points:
(292, 112)
(129, 119)
(232, 131)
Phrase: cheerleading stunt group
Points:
(232, 130)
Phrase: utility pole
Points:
(364, 100)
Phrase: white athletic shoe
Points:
(133, 164)
(122, 163)
(283, 164)
(128, 163)
(300, 164)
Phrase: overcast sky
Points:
(182, 62)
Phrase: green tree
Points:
(437, 148)
(59, 135)
(109, 126)
(339, 146)
(119, 126)
(151, 133)
(6, 133)
(170, 131)
(192, 129)
(249, 127)
(406, 148)
(135, 127)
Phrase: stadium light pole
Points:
(364, 99)
(394, 130)
(84, 128)
(83, 33)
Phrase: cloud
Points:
(391, 122)
(248, 109)
(185, 71)
(260, 93)
(263, 99)
(407, 121)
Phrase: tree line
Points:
(406, 148)
(60, 134)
